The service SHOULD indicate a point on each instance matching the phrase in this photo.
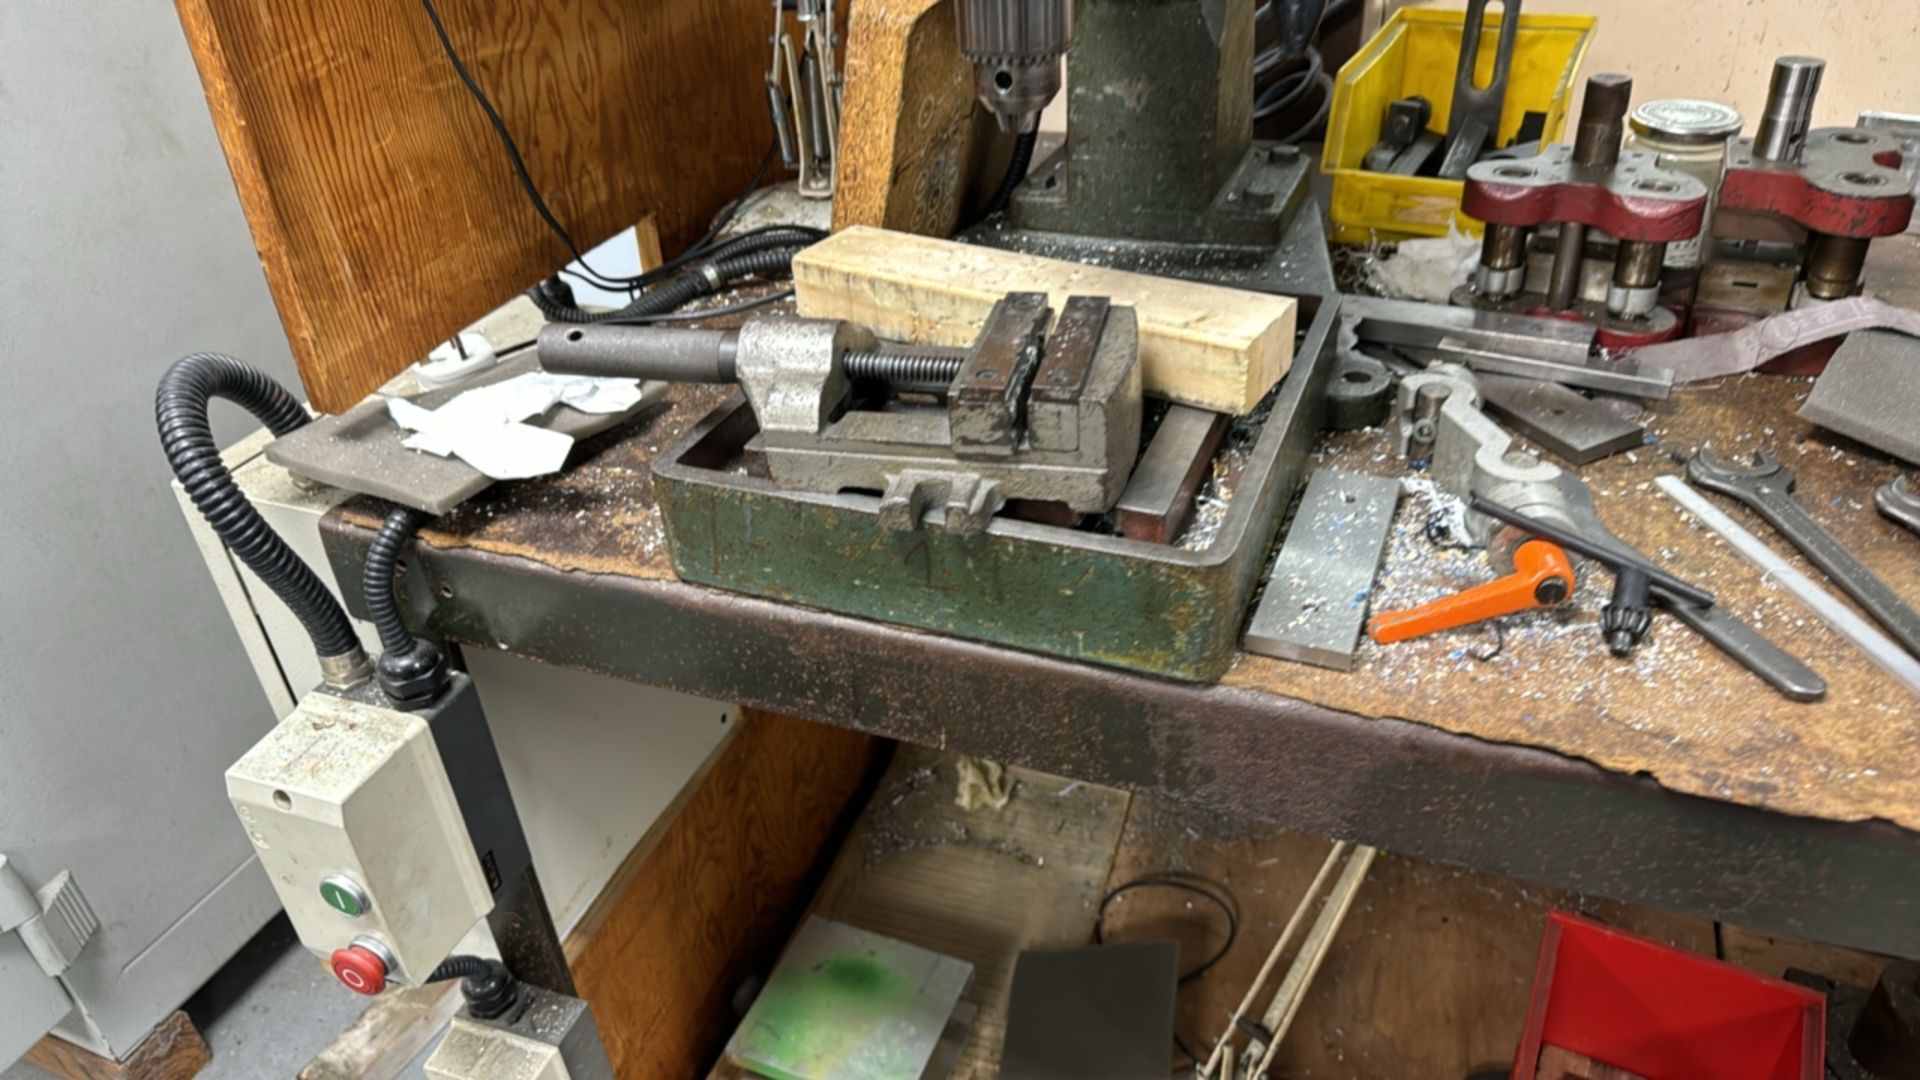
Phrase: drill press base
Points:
(1297, 263)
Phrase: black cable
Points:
(490, 989)
(512, 149)
(1023, 144)
(377, 578)
(704, 279)
(186, 435)
(587, 273)
(725, 213)
(412, 673)
(1170, 881)
(707, 313)
(763, 238)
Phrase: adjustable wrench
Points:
(1766, 486)
(1899, 502)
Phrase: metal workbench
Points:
(1676, 780)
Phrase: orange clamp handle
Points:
(1542, 577)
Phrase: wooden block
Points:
(173, 1050)
(916, 153)
(389, 1034)
(711, 892)
(1203, 345)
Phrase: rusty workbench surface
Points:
(1675, 779)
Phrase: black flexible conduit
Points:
(411, 672)
(180, 412)
(376, 579)
(705, 278)
(1016, 171)
(490, 989)
(462, 967)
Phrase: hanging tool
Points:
(1766, 487)
(1844, 185)
(804, 91)
(1542, 577)
(1627, 617)
(1473, 122)
(1593, 184)
(1898, 501)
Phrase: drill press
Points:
(1159, 172)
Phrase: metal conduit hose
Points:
(186, 436)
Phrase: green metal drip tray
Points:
(1156, 608)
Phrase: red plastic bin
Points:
(1664, 1014)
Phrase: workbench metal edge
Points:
(1403, 786)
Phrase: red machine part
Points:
(1633, 200)
(1848, 182)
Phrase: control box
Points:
(350, 809)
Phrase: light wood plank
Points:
(713, 891)
(1203, 345)
(388, 1035)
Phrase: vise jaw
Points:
(1049, 418)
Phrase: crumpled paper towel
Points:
(486, 426)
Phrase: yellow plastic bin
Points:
(1417, 53)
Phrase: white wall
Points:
(1723, 50)
(124, 692)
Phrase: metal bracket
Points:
(55, 923)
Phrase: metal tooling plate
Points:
(1417, 324)
(1871, 392)
(1570, 424)
(1316, 599)
(360, 451)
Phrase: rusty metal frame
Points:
(1404, 786)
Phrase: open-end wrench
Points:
(1774, 665)
(1899, 502)
(1766, 486)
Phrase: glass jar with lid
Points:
(1690, 137)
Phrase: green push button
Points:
(345, 895)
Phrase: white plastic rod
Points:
(1878, 647)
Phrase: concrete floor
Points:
(266, 1014)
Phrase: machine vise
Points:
(1019, 414)
(1593, 184)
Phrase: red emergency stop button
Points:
(360, 969)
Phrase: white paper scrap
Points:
(486, 426)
